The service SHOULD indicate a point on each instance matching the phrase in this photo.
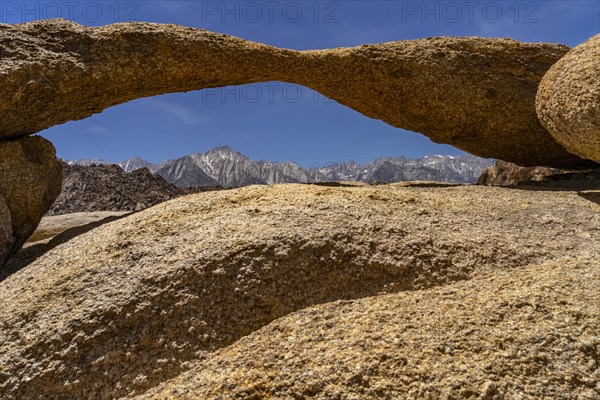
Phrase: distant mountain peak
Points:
(135, 163)
(225, 151)
(223, 148)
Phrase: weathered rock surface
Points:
(136, 302)
(30, 180)
(568, 100)
(54, 231)
(106, 187)
(509, 336)
(476, 94)
(473, 93)
(509, 174)
(6, 238)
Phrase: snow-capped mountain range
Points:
(229, 168)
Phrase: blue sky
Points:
(279, 121)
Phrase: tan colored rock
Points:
(6, 238)
(473, 93)
(568, 100)
(54, 225)
(30, 181)
(511, 335)
(476, 94)
(508, 174)
(54, 231)
(134, 303)
(55, 71)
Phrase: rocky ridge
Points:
(129, 165)
(108, 188)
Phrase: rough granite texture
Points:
(134, 303)
(7, 239)
(568, 100)
(54, 231)
(531, 333)
(30, 181)
(54, 225)
(508, 174)
(476, 94)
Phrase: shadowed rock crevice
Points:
(7, 239)
(538, 178)
(473, 93)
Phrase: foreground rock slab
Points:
(134, 303)
(568, 101)
(473, 93)
(507, 336)
(30, 181)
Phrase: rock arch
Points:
(473, 93)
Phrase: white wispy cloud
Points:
(95, 130)
(175, 112)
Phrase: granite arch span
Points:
(473, 93)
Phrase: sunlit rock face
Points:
(473, 93)
(128, 306)
(568, 101)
